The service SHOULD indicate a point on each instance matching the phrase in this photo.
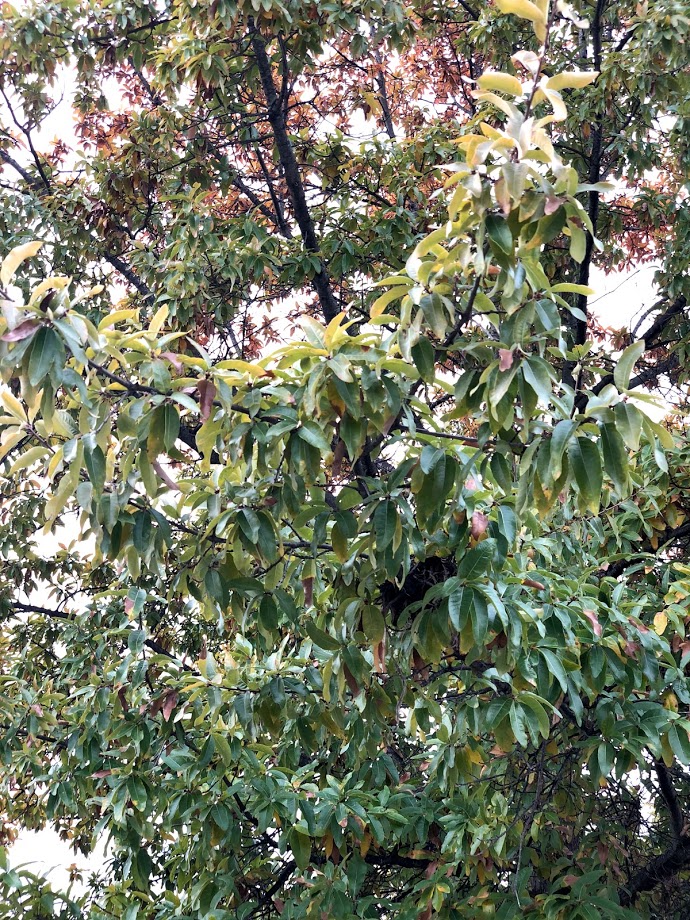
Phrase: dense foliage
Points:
(343, 574)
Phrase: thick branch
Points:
(668, 793)
(579, 326)
(665, 866)
(293, 180)
(651, 340)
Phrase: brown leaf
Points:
(425, 914)
(505, 359)
(419, 666)
(479, 523)
(100, 774)
(129, 605)
(156, 706)
(22, 331)
(279, 905)
(631, 648)
(530, 583)
(431, 868)
(350, 680)
(380, 656)
(122, 697)
(338, 457)
(308, 585)
(169, 704)
(594, 620)
(207, 393)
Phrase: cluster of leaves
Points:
(388, 618)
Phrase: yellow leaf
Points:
(14, 259)
(506, 107)
(26, 459)
(159, 318)
(394, 279)
(503, 82)
(50, 284)
(576, 79)
(119, 316)
(660, 623)
(336, 331)
(13, 406)
(568, 288)
(382, 302)
(244, 367)
(13, 438)
(524, 9)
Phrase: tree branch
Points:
(663, 867)
(668, 793)
(286, 153)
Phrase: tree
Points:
(373, 587)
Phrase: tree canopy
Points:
(371, 580)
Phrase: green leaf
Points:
(46, 351)
(424, 358)
(555, 667)
(499, 234)
(385, 523)
(615, 456)
(534, 703)
(95, 466)
(476, 561)
(373, 624)
(460, 605)
(625, 364)
(321, 638)
(562, 434)
(585, 462)
(312, 434)
(629, 424)
(300, 844)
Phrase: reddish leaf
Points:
(431, 868)
(338, 457)
(308, 585)
(279, 905)
(156, 706)
(122, 697)
(380, 656)
(170, 483)
(174, 360)
(129, 605)
(207, 393)
(479, 523)
(552, 204)
(419, 666)
(350, 680)
(169, 704)
(530, 583)
(22, 331)
(505, 359)
(593, 619)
